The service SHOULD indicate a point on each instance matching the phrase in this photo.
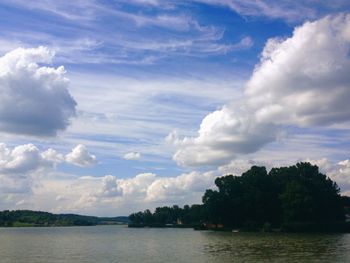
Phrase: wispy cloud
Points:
(80, 10)
(108, 34)
(290, 11)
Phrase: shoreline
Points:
(334, 227)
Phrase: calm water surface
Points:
(121, 244)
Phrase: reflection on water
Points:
(120, 244)
(261, 247)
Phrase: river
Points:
(110, 244)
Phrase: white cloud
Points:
(132, 156)
(27, 158)
(137, 186)
(80, 156)
(18, 166)
(304, 79)
(150, 188)
(223, 134)
(34, 99)
(52, 156)
(25, 168)
(301, 81)
(20, 159)
(182, 188)
(110, 187)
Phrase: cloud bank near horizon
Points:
(30, 179)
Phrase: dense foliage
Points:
(37, 218)
(287, 195)
(188, 215)
(299, 193)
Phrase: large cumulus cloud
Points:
(34, 99)
(222, 135)
(300, 81)
(304, 80)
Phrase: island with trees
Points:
(297, 198)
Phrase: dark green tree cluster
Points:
(188, 215)
(299, 193)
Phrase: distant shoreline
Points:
(28, 218)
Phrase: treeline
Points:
(21, 218)
(175, 215)
(282, 198)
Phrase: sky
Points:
(111, 107)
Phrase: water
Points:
(121, 244)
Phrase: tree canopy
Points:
(294, 194)
(299, 193)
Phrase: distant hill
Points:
(22, 218)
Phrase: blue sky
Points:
(157, 98)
